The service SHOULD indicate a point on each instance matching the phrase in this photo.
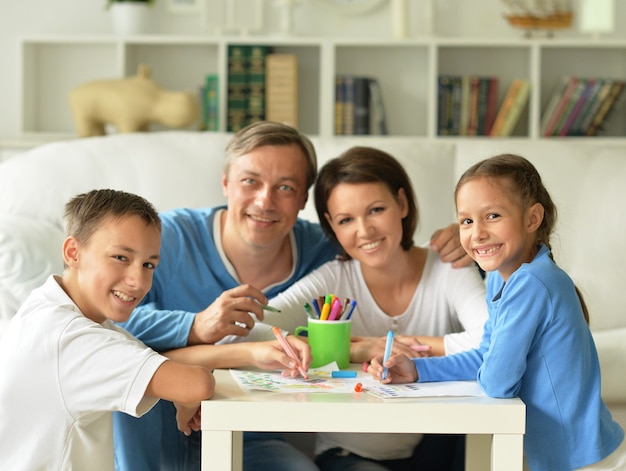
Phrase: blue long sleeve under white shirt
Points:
(537, 346)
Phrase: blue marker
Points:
(316, 306)
(344, 374)
(388, 347)
(351, 311)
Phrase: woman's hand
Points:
(363, 349)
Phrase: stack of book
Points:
(359, 107)
(581, 106)
(466, 105)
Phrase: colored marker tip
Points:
(358, 387)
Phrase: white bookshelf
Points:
(406, 69)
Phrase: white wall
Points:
(311, 17)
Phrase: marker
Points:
(335, 310)
(270, 308)
(325, 312)
(289, 351)
(352, 306)
(344, 374)
(358, 387)
(316, 306)
(388, 347)
(309, 311)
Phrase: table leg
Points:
(477, 452)
(507, 452)
(222, 451)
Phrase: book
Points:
(256, 83)
(339, 101)
(237, 98)
(282, 88)
(378, 119)
(361, 107)
(211, 103)
(444, 96)
(483, 93)
(492, 105)
(505, 107)
(610, 103)
(472, 126)
(465, 105)
(348, 105)
(512, 117)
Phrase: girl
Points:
(537, 344)
(366, 205)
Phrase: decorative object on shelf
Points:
(597, 16)
(286, 15)
(533, 15)
(130, 17)
(130, 105)
(399, 18)
(240, 16)
(354, 7)
(185, 6)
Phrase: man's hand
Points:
(229, 314)
(447, 243)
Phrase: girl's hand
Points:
(400, 369)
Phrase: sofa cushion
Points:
(170, 169)
(26, 259)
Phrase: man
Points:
(218, 265)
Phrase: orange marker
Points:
(358, 387)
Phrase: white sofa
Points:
(179, 168)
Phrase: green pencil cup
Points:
(329, 341)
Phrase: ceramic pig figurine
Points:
(130, 105)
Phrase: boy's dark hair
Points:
(85, 212)
(366, 165)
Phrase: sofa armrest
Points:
(612, 353)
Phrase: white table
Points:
(495, 427)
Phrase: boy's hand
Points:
(271, 356)
(187, 418)
(400, 369)
(447, 243)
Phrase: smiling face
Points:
(494, 229)
(265, 189)
(110, 273)
(367, 220)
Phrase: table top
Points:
(232, 408)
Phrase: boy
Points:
(65, 365)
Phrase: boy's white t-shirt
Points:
(61, 377)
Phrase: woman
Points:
(366, 205)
